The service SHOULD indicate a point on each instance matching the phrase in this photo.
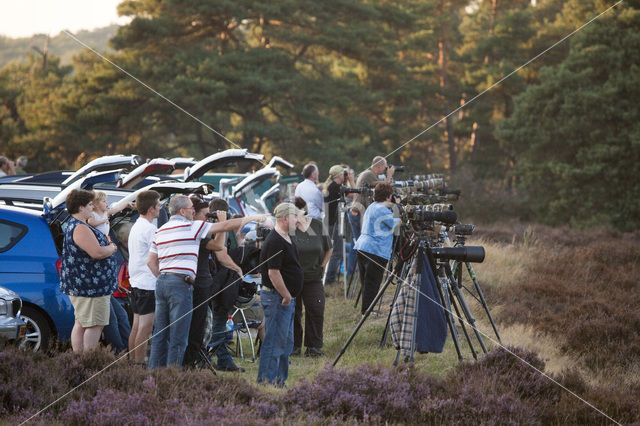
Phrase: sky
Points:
(22, 18)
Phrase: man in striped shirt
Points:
(173, 258)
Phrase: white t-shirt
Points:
(140, 239)
(103, 227)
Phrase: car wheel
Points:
(38, 330)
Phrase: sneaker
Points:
(296, 352)
(313, 352)
(233, 368)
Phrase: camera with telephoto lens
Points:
(428, 177)
(398, 169)
(365, 190)
(438, 207)
(423, 215)
(461, 254)
(463, 229)
(403, 183)
(430, 184)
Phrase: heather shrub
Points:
(498, 388)
(471, 406)
(365, 393)
(110, 407)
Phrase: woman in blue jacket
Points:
(375, 242)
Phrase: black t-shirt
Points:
(312, 246)
(203, 274)
(284, 257)
(332, 199)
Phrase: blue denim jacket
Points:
(377, 231)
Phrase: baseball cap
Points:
(336, 170)
(284, 209)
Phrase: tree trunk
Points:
(492, 23)
(448, 126)
(474, 141)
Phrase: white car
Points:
(12, 327)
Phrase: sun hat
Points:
(287, 208)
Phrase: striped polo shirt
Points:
(177, 243)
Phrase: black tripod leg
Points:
(402, 278)
(443, 291)
(355, 305)
(362, 320)
(457, 294)
(464, 329)
(390, 268)
(472, 274)
(351, 285)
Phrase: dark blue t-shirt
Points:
(282, 256)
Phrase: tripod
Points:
(349, 287)
(457, 268)
(450, 297)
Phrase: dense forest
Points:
(60, 45)
(558, 141)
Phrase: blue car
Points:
(30, 265)
(30, 262)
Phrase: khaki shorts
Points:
(91, 311)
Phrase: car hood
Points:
(279, 161)
(52, 206)
(108, 162)
(220, 160)
(253, 180)
(183, 162)
(157, 166)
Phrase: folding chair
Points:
(243, 326)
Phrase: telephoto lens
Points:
(473, 254)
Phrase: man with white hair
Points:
(281, 283)
(173, 258)
(361, 201)
(21, 163)
(308, 190)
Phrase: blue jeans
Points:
(219, 337)
(336, 256)
(117, 332)
(356, 227)
(355, 222)
(351, 259)
(278, 339)
(174, 302)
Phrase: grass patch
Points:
(565, 302)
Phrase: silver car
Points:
(12, 327)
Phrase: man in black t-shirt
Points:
(281, 283)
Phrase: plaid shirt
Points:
(404, 315)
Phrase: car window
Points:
(10, 234)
